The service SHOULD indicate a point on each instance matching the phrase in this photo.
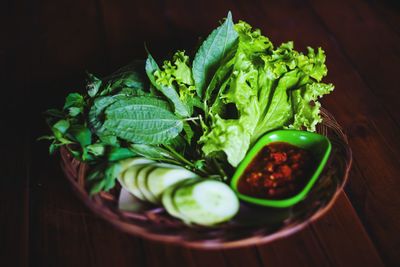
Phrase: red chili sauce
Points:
(280, 170)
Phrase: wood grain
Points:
(14, 156)
(366, 132)
(382, 47)
(388, 11)
(50, 44)
(370, 127)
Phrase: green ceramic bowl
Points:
(317, 144)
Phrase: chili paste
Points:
(280, 170)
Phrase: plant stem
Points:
(221, 171)
(192, 119)
(184, 160)
(177, 155)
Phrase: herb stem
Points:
(220, 170)
(178, 156)
(184, 160)
(192, 119)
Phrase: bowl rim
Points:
(266, 140)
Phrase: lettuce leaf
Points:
(176, 76)
(260, 89)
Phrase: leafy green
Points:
(151, 151)
(176, 79)
(74, 103)
(202, 114)
(165, 87)
(212, 52)
(142, 120)
(270, 89)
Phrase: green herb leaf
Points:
(96, 118)
(59, 129)
(97, 149)
(103, 177)
(212, 52)
(120, 153)
(151, 151)
(81, 134)
(74, 100)
(143, 120)
(188, 132)
(74, 103)
(151, 67)
(168, 91)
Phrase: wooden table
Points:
(46, 47)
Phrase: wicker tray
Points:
(253, 225)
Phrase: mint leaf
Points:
(74, 100)
(143, 120)
(212, 52)
(74, 103)
(61, 126)
(119, 153)
(81, 134)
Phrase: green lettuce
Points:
(265, 89)
(177, 75)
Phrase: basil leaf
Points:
(142, 120)
(81, 134)
(61, 126)
(212, 52)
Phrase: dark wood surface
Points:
(47, 46)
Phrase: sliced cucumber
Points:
(164, 176)
(168, 201)
(125, 164)
(129, 181)
(207, 202)
(141, 180)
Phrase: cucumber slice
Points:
(128, 180)
(208, 202)
(164, 176)
(126, 163)
(168, 195)
(141, 180)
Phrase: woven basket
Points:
(253, 225)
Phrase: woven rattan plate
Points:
(253, 225)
